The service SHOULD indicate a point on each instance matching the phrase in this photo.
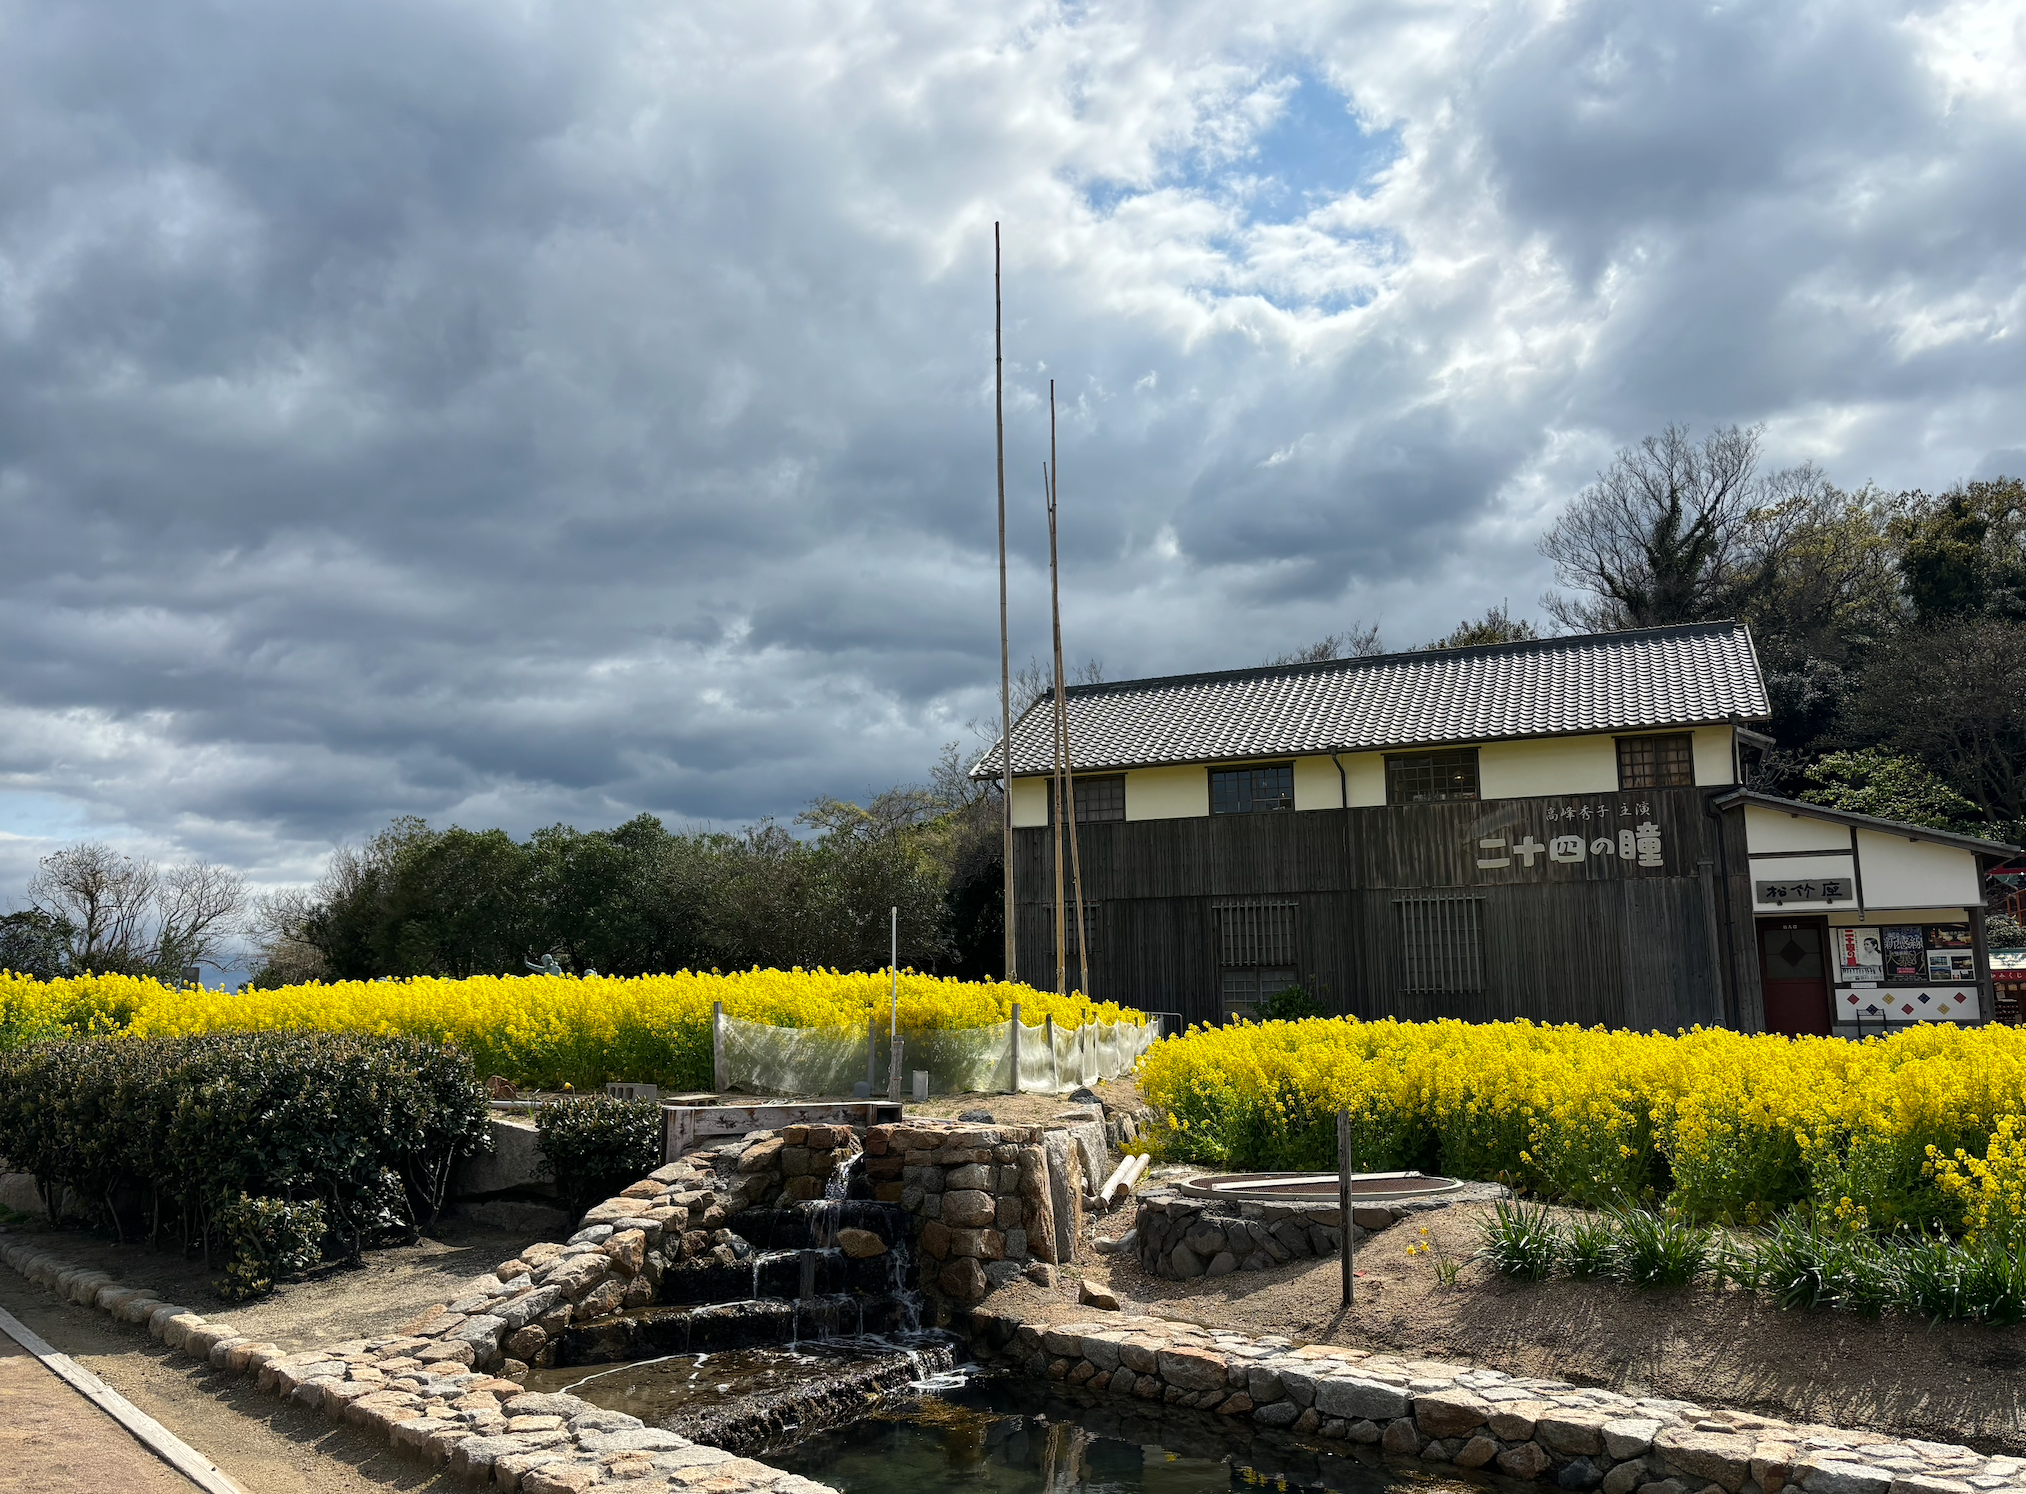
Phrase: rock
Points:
(627, 1250)
(976, 1117)
(1236, 1405)
(1716, 1458)
(527, 1343)
(762, 1156)
(967, 1208)
(1401, 1439)
(1082, 1095)
(1772, 1465)
(1041, 1274)
(935, 1238)
(1513, 1421)
(1629, 1437)
(1278, 1414)
(1450, 1413)
(860, 1244)
(1187, 1265)
(1360, 1400)
(1222, 1264)
(1205, 1240)
(1528, 1460)
(1090, 1296)
(1190, 1369)
(560, 1478)
(1827, 1476)
(963, 1280)
(176, 1330)
(1571, 1433)
(1476, 1452)
(970, 1176)
(1580, 1475)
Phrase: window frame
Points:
(1258, 941)
(1250, 801)
(1447, 960)
(1630, 740)
(1395, 762)
(1081, 781)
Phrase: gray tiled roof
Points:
(1599, 682)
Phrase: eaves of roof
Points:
(1803, 809)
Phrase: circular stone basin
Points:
(1299, 1188)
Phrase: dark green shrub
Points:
(368, 1126)
(595, 1145)
(268, 1237)
(1658, 1250)
(1289, 1004)
(1520, 1240)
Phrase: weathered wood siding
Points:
(1599, 939)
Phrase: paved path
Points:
(54, 1441)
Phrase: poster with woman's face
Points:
(1859, 955)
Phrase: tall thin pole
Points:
(893, 1028)
(1055, 715)
(1068, 766)
(1005, 657)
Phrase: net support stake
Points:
(1347, 1254)
(1013, 1043)
(720, 1062)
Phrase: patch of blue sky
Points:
(1309, 153)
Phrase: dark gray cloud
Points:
(513, 415)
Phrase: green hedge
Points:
(170, 1133)
(595, 1145)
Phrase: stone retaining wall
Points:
(1180, 1236)
(1527, 1428)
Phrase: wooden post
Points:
(720, 1064)
(1054, 1065)
(1345, 1253)
(1014, 1038)
(1005, 646)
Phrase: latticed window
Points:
(1099, 797)
(1441, 945)
(1092, 923)
(1430, 777)
(1255, 954)
(1254, 790)
(1656, 762)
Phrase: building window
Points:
(1093, 925)
(1428, 777)
(1442, 945)
(1656, 762)
(1099, 798)
(1255, 954)
(1252, 790)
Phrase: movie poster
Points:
(1949, 936)
(1957, 966)
(1905, 950)
(1859, 955)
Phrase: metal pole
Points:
(1345, 1253)
(871, 1053)
(1005, 656)
(893, 1078)
(1061, 789)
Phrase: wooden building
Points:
(1557, 829)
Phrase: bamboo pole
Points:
(1055, 783)
(1345, 1175)
(1068, 769)
(1005, 655)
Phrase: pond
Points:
(998, 1435)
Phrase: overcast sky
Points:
(509, 413)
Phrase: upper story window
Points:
(1100, 797)
(1252, 790)
(1428, 777)
(1656, 762)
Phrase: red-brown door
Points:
(1794, 972)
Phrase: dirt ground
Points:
(1026, 1110)
(55, 1441)
(1955, 1382)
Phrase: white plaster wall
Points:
(1915, 873)
(1557, 765)
(1167, 793)
(1316, 785)
(1715, 762)
(1778, 830)
(1850, 917)
(1030, 802)
(1804, 868)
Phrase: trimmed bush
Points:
(153, 1133)
(595, 1145)
(269, 1237)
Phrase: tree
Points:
(125, 914)
(1954, 697)
(1651, 542)
(1496, 626)
(1963, 554)
(1890, 786)
(35, 943)
(1356, 642)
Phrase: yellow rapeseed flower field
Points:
(1918, 1128)
(538, 1030)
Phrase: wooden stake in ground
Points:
(1346, 1252)
(1005, 658)
(1065, 766)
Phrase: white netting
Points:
(759, 1059)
